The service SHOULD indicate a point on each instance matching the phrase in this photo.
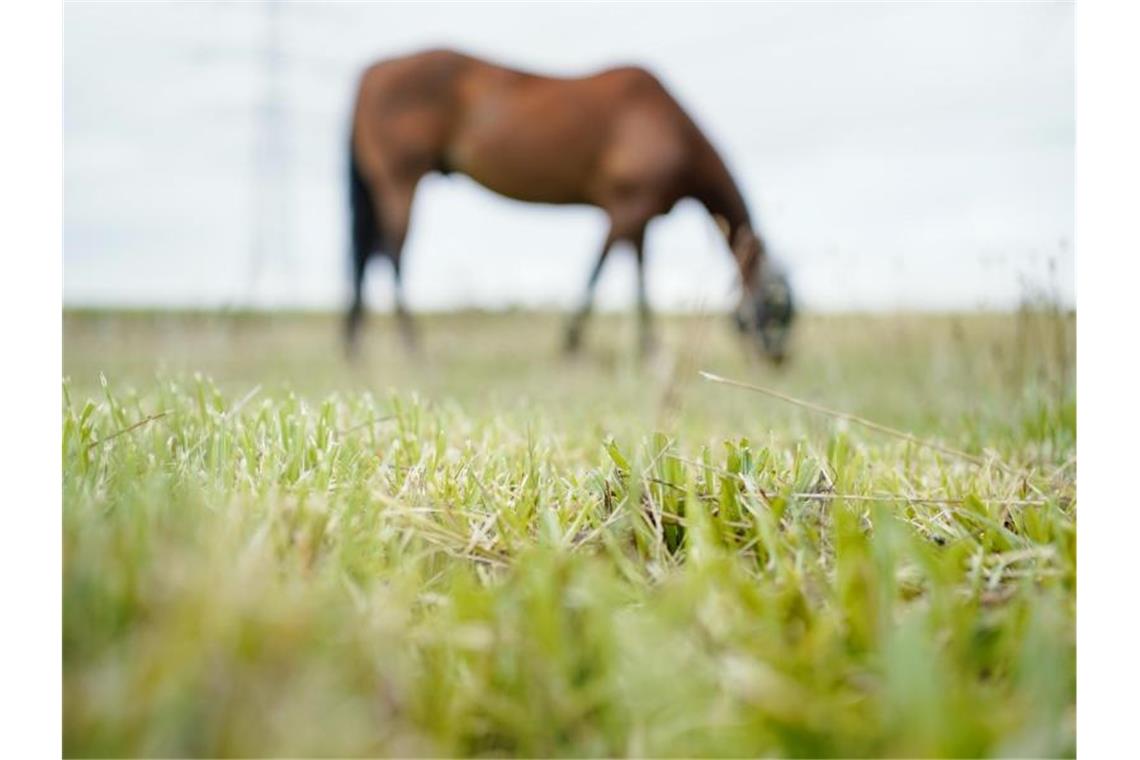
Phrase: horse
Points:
(616, 140)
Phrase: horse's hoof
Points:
(573, 343)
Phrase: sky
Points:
(895, 155)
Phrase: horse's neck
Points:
(718, 192)
(715, 188)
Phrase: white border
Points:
(31, 246)
(1108, 245)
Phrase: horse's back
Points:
(418, 75)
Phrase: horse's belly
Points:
(523, 180)
(525, 172)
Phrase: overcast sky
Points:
(903, 155)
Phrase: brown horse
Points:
(616, 140)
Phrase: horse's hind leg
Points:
(647, 339)
(365, 240)
(403, 316)
(356, 307)
(394, 209)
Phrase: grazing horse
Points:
(616, 140)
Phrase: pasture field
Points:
(490, 549)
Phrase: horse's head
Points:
(766, 309)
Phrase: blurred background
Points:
(897, 156)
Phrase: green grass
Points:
(491, 550)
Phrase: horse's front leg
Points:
(574, 330)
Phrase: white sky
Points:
(905, 155)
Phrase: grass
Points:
(490, 550)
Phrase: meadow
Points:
(491, 549)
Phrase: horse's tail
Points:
(365, 239)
